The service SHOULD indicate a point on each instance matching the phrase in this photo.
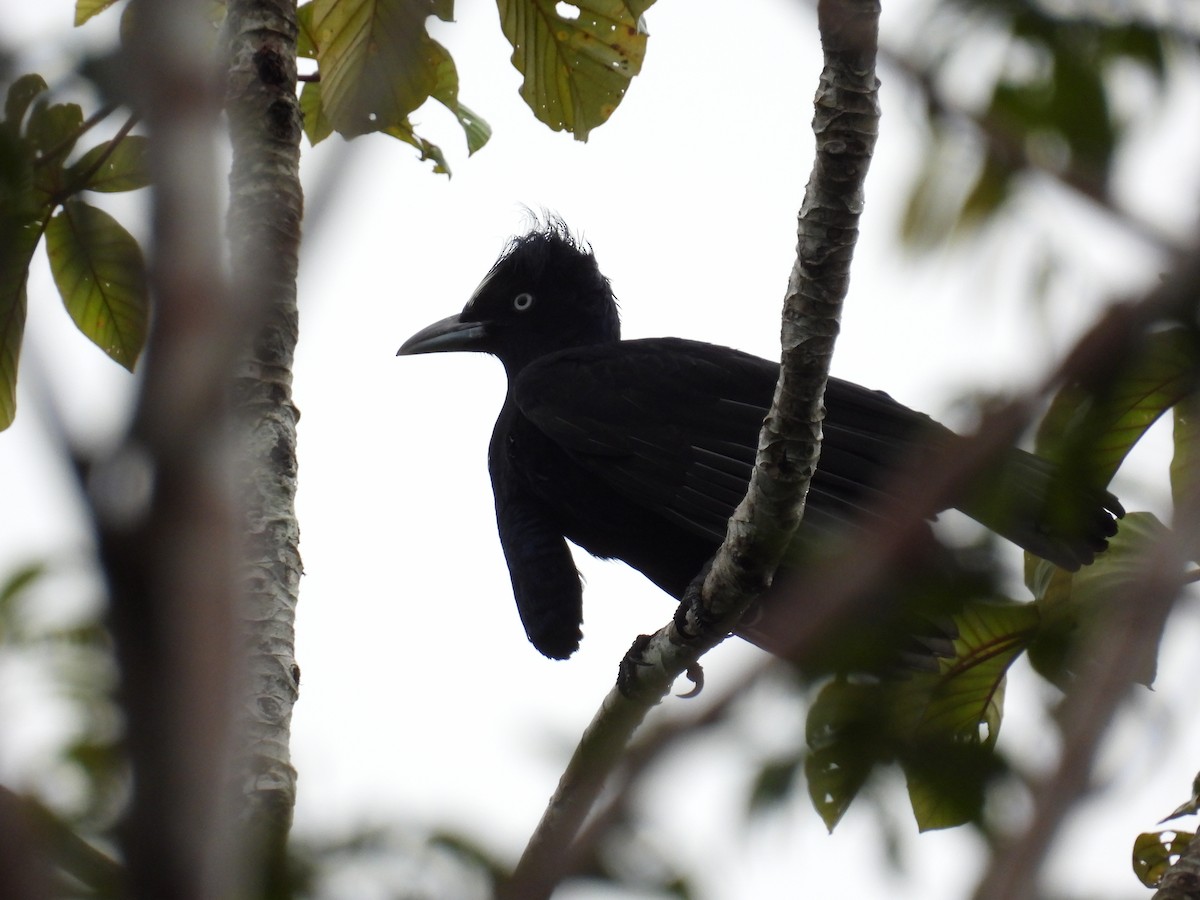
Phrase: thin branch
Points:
(86, 175)
(845, 124)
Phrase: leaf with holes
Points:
(377, 62)
(99, 271)
(847, 737)
(1156, 851)
(577, 59)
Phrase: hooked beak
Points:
(451, 333)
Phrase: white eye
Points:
(522, 301)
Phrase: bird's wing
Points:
(544, 578)
(673, 425)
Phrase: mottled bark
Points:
(265, 212)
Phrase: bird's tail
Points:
(1042, 508)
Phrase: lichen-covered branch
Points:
(266, 206)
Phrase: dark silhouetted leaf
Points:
(21, 93)
(845, 733)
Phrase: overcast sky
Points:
(421, 699)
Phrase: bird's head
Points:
(545, 293)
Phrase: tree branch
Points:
(845, 123)
(161, 502)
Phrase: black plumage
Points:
(640, 450)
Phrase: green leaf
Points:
(1091, 430)
(18, 239)
(774, 783)
(403, 131)
(376, 60)
(85, 9)
(123, 167)
(12, 588)
(1155, 852)
(54, 129)
(963, 701)
(99, 271)
(21, 93)
(306, 41)
(478, 131)
(1073, 604)
(844, 731)
(947, 783)
(576, 70)
(948, 720)
(317, 126)
(990, 192)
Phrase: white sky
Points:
(421, 701)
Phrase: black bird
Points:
(640, 450)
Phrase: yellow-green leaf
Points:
(963, 701)
(445, 91)
(108, 168)
(306, 42)
(576, 68)
(403, 131)
(100, 273)
(85, 9)
(377, 63)
(317, 126)
(1155, 852)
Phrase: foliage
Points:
(1053, 107)
(73, 658)
(97, 265)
